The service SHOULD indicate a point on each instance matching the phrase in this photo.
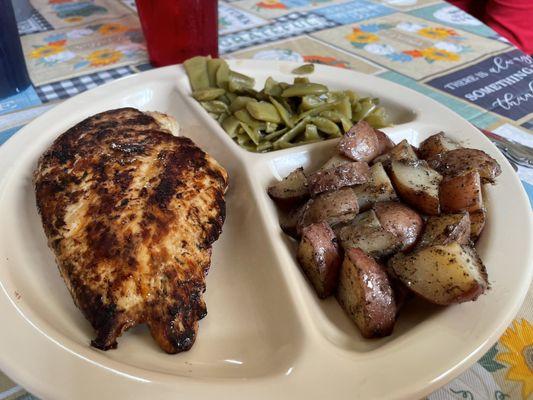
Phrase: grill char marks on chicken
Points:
(131, 212)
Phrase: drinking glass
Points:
(176, 30)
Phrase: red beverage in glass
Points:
(176, 30)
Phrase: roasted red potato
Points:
(417, 185)
(477, 223)
(365, 232)
(366, 295)
(442, 274)
(444, 229)
(289, 220)
(400, 220)
(403, 151)
(346, 174)
(436, 144)
(319, 257)
(360, 143)
(291, 190)
(385, 144)
(377, 188)
(335, 161)
(331, 207)
(458, 161)
(461, 193)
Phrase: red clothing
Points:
(513, 19)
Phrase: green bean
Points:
(263, 147)
(230, 125)
(345, 107)
(284, 114)
(326, 126)
(271, 127)
(310, 101)
(378, 118)
(253, 133)
(222, 117)
(215, 106)
(244, 116)
(222, 76)
(292, 133)
(281, 115)
(212, 68)
(263, 111)
(304, 69)
(367, 106)
(196, 69)
(272, 88)
(208, 94)
(316, 110)
(302, 89)
(311, 132)
(300, 80)
(238, 82)
(239, 103)
(275, 135)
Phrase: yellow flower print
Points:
(46, 51)
(434, 54)
(99, 58)
(436, 33)
(358, 36)
(72, 20)
(111, 28)
(519, 341)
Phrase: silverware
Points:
(516, 153)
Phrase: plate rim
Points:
(24, 135)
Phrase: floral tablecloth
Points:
(432, 47)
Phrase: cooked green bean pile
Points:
(281, 115)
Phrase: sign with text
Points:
(502, 84)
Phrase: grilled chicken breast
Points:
(130, 212)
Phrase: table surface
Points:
(428, 45)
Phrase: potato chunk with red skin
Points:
(385, 144)
(417, 185)
(403, 151)
(442, 274)
(347, 174)
(332, 207)
(444, 229)
(459, 161)
(461, 193)
(319, 257)
(360, 143)
(400, 220)
(436, 144)
(377, 188)
(291, 190)
(366, 295)
(477, 223)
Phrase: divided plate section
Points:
(252, 328)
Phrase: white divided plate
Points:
(266, 335)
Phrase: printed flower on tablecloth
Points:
(380, 49)
(518, 339)
(358, 38)
(60, 57)
(59, 1)
(409, 27)
(112, 28)
(77, 9)
(46, 51)
(73, 20)
(79, 33)
(374, 27)
(271, 4)
(100, 58)
(432, 54)
(332, 61)
(437, 33)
